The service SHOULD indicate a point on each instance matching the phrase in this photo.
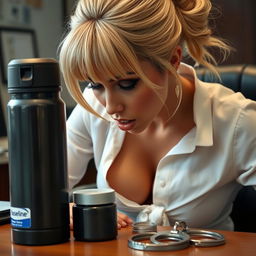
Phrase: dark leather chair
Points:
(240, 78)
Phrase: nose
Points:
(113, 103)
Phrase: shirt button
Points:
(162, 183)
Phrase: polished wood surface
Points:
(237, 243)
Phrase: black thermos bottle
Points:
(37, 153)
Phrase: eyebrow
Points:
(117, 77)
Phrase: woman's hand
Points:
(123, 220)
(71, 215)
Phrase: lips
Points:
(125, 124)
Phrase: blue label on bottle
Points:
(20, 217)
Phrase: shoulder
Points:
(232, 111)
(222, 97)
(82, 119)
(229, 101)
(247, 118)
(95, 104)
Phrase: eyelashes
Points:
(126, 84)
(94, 86)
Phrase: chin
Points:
(136, 131)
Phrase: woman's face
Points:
(130, 102)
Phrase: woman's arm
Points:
(79, 145)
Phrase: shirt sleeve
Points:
(79, 144)
(245, 145)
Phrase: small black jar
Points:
(94, 215)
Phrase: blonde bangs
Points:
(72, 65)
(95, 51)
(103, 54)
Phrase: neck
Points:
(170, 116)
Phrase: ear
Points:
(176, 57)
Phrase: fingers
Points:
(123, 220)
(71, 215)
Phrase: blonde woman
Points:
(171, 146)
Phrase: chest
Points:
(132, 172)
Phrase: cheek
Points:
(149, 102)
(145, 101)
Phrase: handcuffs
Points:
(180, 237)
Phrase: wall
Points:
(47, 20)
(237, 24)
(46, 17)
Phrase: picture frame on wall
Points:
(16, 43)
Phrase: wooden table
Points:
(237, 244)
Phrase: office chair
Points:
(240, 78)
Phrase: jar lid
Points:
(94, 196)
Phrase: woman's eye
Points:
(94, 86)
(128, 84)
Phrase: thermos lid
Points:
(94, 196)
(33, 73)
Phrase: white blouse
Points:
(198, 179)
